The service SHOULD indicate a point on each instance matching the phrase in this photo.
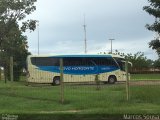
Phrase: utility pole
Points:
(11, 69)
(0, 74)
(38, 35)
(111, 44)
(85, 37)
(127, 80)
(61, 81)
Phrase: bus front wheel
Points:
(56, 80)
(112, 79)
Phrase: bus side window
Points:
(55, 61)
(111, 62)
(72, 61)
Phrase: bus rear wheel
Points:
(112, 79)
(56, 81)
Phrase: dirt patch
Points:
(66, 111)
(145, 82)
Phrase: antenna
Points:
(111, 44)
(85, 38)
(38, 35)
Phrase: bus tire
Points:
(56, 80)
(112, 79)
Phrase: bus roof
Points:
(78, 55)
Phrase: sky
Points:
(61, 27)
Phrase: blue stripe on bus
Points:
(79, 70)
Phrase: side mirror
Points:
(130, 64)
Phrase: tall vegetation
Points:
(139, 60)
(12, 41)
(154, 10)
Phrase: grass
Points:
(145, 76)
(83, 99)
(80, 100)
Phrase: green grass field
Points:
(110, 99)
(17, 98)
(145, 76)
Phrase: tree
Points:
(139, 61)
(155, 45)
(12, 41)
(157, 63)
(12, 11)
(154, 10)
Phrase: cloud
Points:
(61, 29)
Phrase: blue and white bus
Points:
(76, 68)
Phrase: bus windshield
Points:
(121, 63)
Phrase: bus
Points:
(76, 68)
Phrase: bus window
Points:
(105, 61)
(77, 61)
(45, 61)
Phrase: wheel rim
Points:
(111, 80)
(57, 82)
